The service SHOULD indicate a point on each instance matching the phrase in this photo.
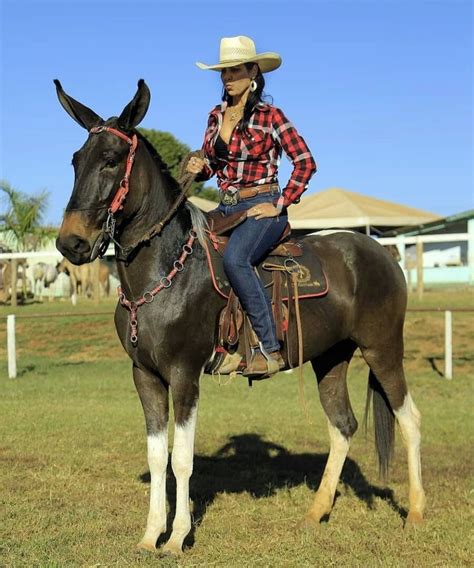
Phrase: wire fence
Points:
(12, 351)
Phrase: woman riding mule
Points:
(167, 316)
(242, 145)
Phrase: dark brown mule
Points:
(365, 308)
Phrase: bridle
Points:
(121, 193)
(108, 232)
(109, 226)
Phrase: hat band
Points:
(234, 60)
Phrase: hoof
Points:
(414, 520)
(307, 524)
(146, 546)
(171, 550)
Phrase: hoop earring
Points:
(253, 85)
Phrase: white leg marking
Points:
(182, 462)
(324, 498)
(409, 420)
(157, 462)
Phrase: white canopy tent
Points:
(339, 208)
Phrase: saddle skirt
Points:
(288, 257)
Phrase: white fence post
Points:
(448, 344)
(11, 347)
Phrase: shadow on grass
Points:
(25, 370)
(72, 363)
(250, 464)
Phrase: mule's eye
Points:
(110, 163)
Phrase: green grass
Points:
(74, 478)
(444, 297)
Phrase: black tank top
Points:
(221, 149)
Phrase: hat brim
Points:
(267, 62)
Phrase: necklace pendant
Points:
(235, 114)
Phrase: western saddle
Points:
(237, 341)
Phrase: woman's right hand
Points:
(195, 165)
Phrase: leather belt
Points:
(248, 192)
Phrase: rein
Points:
(109, 228)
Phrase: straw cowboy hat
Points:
(241, 49)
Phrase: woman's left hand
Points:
(263, 210)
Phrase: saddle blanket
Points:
(312, 281)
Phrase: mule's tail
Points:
(384, 423)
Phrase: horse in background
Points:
(82, 278)
(6, 279)
(44, 276)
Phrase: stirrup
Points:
(262, 364)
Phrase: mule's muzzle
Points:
(79, 238)
(74, 248)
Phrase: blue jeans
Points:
(248, 244)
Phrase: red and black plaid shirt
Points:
(254, 157)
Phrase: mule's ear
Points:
(83, 115)
(136, 109)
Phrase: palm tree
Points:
(23, 217)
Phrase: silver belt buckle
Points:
(230, 198)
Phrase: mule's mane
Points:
(171, 182)
(197, 218)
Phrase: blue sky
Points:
(381, 90)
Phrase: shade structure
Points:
(339, 208)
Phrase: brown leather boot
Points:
(261, 366)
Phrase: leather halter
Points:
(121, 193)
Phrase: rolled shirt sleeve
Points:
(294, 146)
